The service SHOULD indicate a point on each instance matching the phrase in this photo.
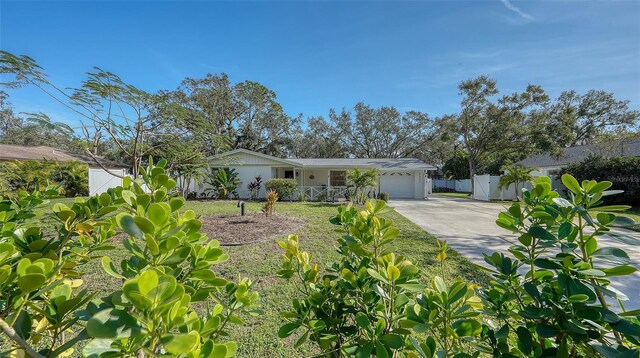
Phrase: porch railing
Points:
(318, 192)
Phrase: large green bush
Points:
(550, 295)
(223, 183)
(72, 178)
(166, 274)
(284, 187)
(623, 172)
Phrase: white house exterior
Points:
(402, 178)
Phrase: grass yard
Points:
(455, 195)
(260, 261)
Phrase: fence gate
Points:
(481, 187)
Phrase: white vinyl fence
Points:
(462, 186)
(100, 180)
(486, 188)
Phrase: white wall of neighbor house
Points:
(100, 180)
(546, 171)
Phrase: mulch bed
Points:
(236, 230)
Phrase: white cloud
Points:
(517, 10)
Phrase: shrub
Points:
(623, 172)
(322, 196)
(357, 306)
(302, 197)
(167, 272)
(270, 205)
(224, 183)
(562, 304)
(383, 196)
(72, 178)
(368, 301)
(254, 187)
(361, 180)
(553, 298)
(284, 187)
(515, 174)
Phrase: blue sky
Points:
(323, 54)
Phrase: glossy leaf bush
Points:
(167, 273)
(357, 306)
(550, 295)
(554, 293)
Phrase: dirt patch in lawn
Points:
(235, 230)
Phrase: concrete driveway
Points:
(469, 227)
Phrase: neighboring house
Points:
(99, 179)
(549, 165)
(400, 177)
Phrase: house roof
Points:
(21, 153)
(579, 153)
(380, 163)
(222, 156)
(337, 163)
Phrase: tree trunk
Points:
(472, 173)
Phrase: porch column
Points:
(328, 183)
(301, 180)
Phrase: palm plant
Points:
(73, 177)
(223, 182)
(515, 174)
(361, 180)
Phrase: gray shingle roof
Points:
(19, 152)
(578, 153)
(380, 163)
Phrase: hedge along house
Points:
(402, 178)
(549, 165)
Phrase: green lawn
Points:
(455, 195)
(260, 262)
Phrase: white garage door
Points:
(399, 185)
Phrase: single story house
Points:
(549, 165)
(404, 178)
(99, 179)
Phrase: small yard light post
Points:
(241, 206)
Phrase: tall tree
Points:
(262, 126)
(9, 121)
(488, 127)
(229, 116)
(318, 140)
(576, 119)
(104, 102)
(382, 132)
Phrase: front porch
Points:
(322, 184)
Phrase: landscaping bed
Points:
(236, 230)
